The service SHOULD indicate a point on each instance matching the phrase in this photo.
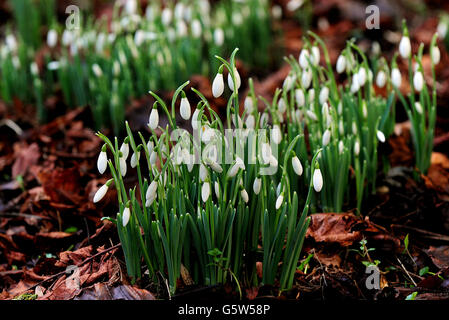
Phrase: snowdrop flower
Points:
(303, 58)
(340, 147)
(442, 29)
(418, 107)
(244, 195)
(131, 6)
(418, 81)
(217, 189)
(361, 76)
(317, 180)
(52, 38)
(102, 161)
(250, 122)
(355, 86)
(282, 106)
(203, 172)
(237, 80)
(357, 148)
(435, 54)
(341, 127)
(340, 107)
(196, 28)
(364, 109)
(311, 115)
(218, 84)
(248, 104)
(294, 5)
(139, 37)
(11, 42)
(276, 134)
(99, 195)
(235, 168)
(122, 163)
(97, 70)
(276, 11)
(326, 137)
(297, 167)
(381, 79)
(405, 47)
(151, 191)
(288, 82)
(135, 159)
(306, 78)
(324, 95)
(34, 68)
(154, 118)
(215, 166)
(380, 136)
(341, 64)
(218, 37)
(53, 65)
(315, 55)
(185, 109)
(126, 216)
(166, 16)
(195, 121)
(299, 96)
(263, 119)
(67, 37)
(257, 185)
(181, 28)
(124, 149)
(354, 128)
(153, 157)
(205, 191)
(279, 201)
(396, 77)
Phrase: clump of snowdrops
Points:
(213, 202)
(105, 67)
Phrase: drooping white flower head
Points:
(102, 161)
(205, 191)
(381, 79)
(126, 216)
(317, 180)
(185, 109)
(442, 29)
(315, 55)
(380, 136)
(217, 189)
(219, 37)
(257, 185)
(306, 78)
(237, 80)
(435, 54)
(303, 58)
(124, 149)
(396, 77)
(418, 81)
(250, 122)
(195, 120)
(299, 96)
(361, 76)
(101, 192)
(276, 134)
(279, 201)
(326, 137)
(196, 28)
(154, 119)
(135, 159)
(218, 85)
(123, 168)
(341, 147)
(151, 191)
(357, 148)
(418, 107)
(244, 195)
(166, 16)
(341, 64)
(203, 172)
(297, 166)
(52, 38)
(405, 47)
(324, 95)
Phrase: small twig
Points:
(408, 274)
(425, 233)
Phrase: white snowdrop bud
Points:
(126, 216)
(364, 109)
(418, 107)
(418, 81)
(299, 96)
(340, 147)
(216, 167)
(34, 68)
(361, 76)
(185, 108)
(326, 137)
(257, 185)
(355, 86)
(315, 55)
(154, 119)
(102, 162)
(218, 37)
(306, 78)
(317, 180)
(311, 115)
(217, 189)
(250, 122)
(396, 77)
(135, 159)
(311, 94)
(139, 37)
(380, 136)
(276, 134)
(354, 128)
(218, 85)
(11, 42)
(203, 172)
(297, 166)
(288, 82)
(273, 161)
(357, 148)
(341, 127)
(196, 28)
(149, 201)
(279, 201)
(131, 6)
(52, 38)
(442, 29)
(151, 191)
(405, 47)
(324, 95)
(205, 191)
(150, 146)
(303, 58)
(166, 16)
(97, 70)
(99, 195)
(282, 106)
(237, 80)
(124, 149)
(123, 168)
(248, 104)
(67, 37)
(435, 54)
(341, 64)
(340, 107)
(244, 195)
(381, 79)
(153, 157)
(195, 121)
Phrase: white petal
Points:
(185, 109)
(257, 185)
(205, 191)
(279, 201)
(317, 180)
(326, 137)
(126, 216)
(218, 85)
(405, 47)
(124, 149)
(102, 162)
(154, 119)
(380, 136)
(100, 193)
(341, 64)
(244, 195)
(297, 166)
